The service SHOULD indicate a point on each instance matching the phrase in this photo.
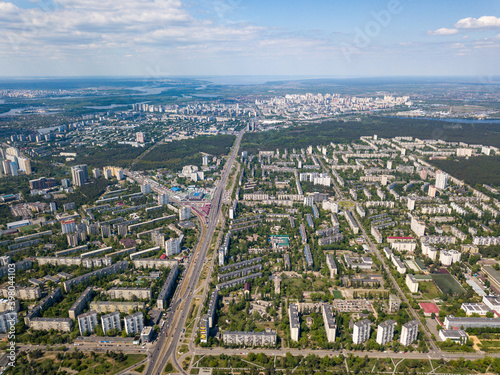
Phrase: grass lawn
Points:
(429, 290)
(140, 369)
(337, 294)
(447, 284)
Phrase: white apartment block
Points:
(134, 323)
(332, 266)
(411, 283)
(417, 226)
(409, 333)
(361, 331)
(111, 321)
(87, 322)
(293, 315)
(448, 257)
(376, 234)
(7, 320)
(441, 180)
(329, 320)
(184, 213)
(385, 332)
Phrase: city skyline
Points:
(232, 37)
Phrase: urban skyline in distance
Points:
(234, 37)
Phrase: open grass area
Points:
(429, 291)
(43, 362)
(140, 369)
(447, 284)
(337, 294)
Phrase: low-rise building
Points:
(111, 306)
(456, 335)
(249, 338)
(46, 324)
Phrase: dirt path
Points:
(476, 342)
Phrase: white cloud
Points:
(443, 31)
(477, 23)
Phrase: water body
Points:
(455, 120)
(12, 112)
(149, 91)
(206, 95)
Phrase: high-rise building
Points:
(111, 321)
(441, 180)
(329, 321)
(409, 333)
(173, 246)
(205, 160)
(14, 170)
(65, 183)
(361, 331)
(106, 230)
(163, 199)
(87, 322)
(411, 203)
(146, 189)
(7, 319)
(385, 332)
(68, 226)
(417, 226)
(6, 167)
(432, 191)
(25, 165)
(73, 239)
(134, 323)
(184, 213)
(80, 175)
(139, 137)
(42, 183)
(122, 229)
(293, 315)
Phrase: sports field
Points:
(447, 284)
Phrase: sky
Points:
(348, 38)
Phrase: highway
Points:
(177, 313)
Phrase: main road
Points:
(166, 347)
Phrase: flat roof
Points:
(429, 307)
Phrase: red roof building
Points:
(429, 308)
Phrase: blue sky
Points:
(249, 37)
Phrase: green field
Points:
(340, 131)
(175, 155)
(447, 284)
(337, 294)
(477, 170)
